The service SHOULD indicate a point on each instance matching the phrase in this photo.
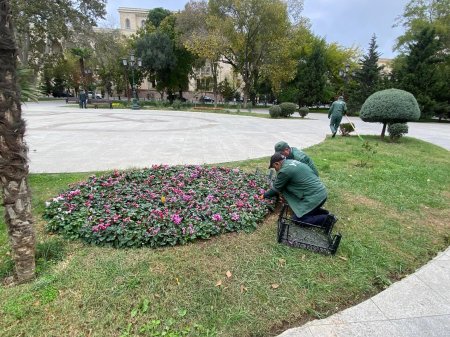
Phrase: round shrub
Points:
(390, 106)
(397, 130)
(159, 206)
(303, 111)
(275, 111)
(287, 109)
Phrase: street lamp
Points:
(133, 63)
(344, 74)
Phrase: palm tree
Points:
(13, 155)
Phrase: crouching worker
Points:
(301, 188)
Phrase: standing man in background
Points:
(337, 110)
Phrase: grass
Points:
(393, 213)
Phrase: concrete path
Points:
(64, 138)
(417, 306)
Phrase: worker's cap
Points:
(280, 146)
(276, 158)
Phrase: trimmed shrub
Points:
(287, 109)
(346, 128)
(397, 130)
(390, 106)
(275, 111)
(303, 111)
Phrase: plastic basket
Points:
(308, 236)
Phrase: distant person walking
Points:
(337, 110)
(83, 99)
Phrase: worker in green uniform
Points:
(294, 153)
(337, 110)
(300, 187)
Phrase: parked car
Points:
(62, 94)
(91, 95)
(176, 97)
(206, 99)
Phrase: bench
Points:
(92, 103)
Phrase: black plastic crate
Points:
(308, 236)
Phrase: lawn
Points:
(392, 202)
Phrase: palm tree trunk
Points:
(13, 156)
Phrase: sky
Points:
(347, 22)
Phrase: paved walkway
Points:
(67, 139)
(417, 306)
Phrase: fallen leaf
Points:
(178, 282)
(228, 273)
(275, 286)
(343, 258)
(157, 296)
(243, 288)
(303, 257)
(219, 283)
(282, 262)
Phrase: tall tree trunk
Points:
(13, 156)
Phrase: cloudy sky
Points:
(347, 22)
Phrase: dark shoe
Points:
(334, 135)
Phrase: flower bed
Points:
(159, 206)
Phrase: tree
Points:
(201, 38)
(367, 76)
(419, 14)
(252, 30)
(13, 155)
(424, 72)
(311, 75)
(390, 106)
(43, 27)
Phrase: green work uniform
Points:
(337, 109)
(302, 157)
(301, 188)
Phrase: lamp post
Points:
(133, 63)
(344, 74)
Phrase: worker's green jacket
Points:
(337, 109)
(301, 188)
(302, 157)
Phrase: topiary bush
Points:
(287, 109)
(275, 111)
(303, 111)
(397, 130)
(159, 206)
(390, 106)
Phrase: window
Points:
(127, 24)
(142, 23)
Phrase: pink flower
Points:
(217, 217)
(176, 219)
(235, 216)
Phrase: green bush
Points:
(397, 130)
(390, 106)
(275, 111)
(287, 109)
(303, 111)
(176, 105)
